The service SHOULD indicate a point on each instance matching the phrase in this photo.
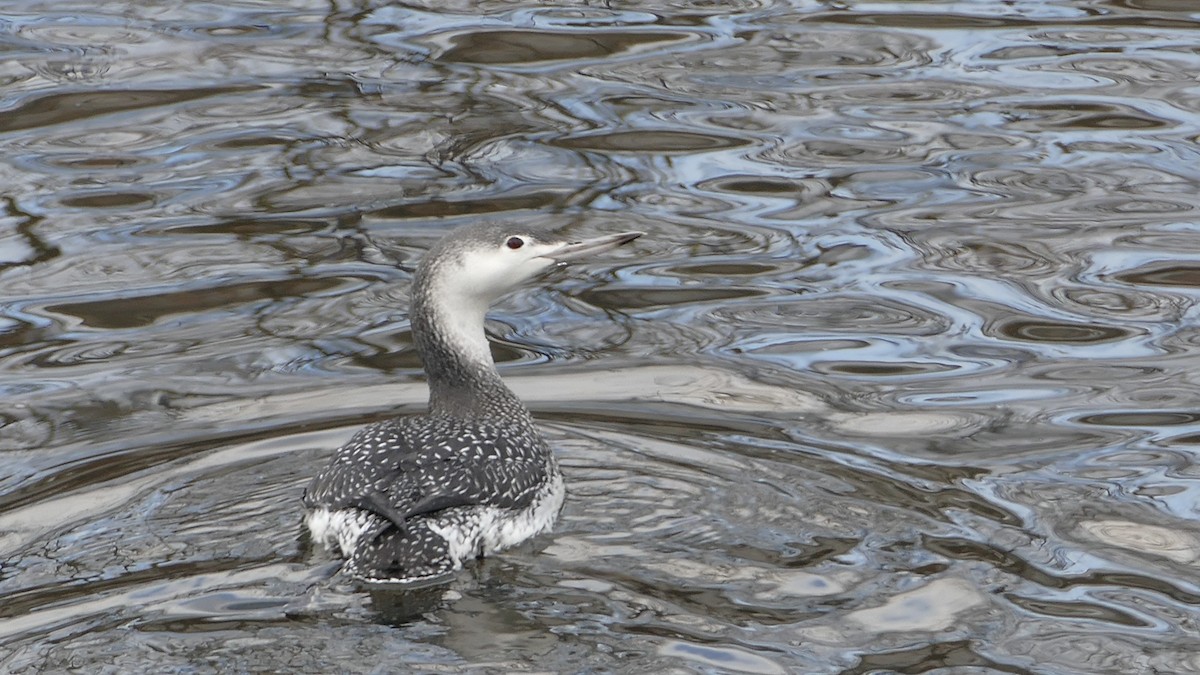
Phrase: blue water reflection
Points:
(900, 379)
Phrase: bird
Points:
(408, 500)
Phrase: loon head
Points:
(469, 269)
(476, 265)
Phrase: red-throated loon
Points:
(410, 499)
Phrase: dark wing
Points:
(350, 479)
(407, 468)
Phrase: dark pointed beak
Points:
(581, 249)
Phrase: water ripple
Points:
(901, 375)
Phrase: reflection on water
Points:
(901, 377)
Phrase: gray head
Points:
(459, 278)
(473, 266)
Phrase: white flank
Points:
(486, 530)
(491, 529)
(341, 528)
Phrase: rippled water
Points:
(901, 379)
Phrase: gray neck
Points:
(463, 381)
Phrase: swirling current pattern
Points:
(900, 379)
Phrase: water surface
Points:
(899, 380)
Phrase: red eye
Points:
(514, 242)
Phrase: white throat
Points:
(461, 326)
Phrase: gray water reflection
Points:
(899, 380)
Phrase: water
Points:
(901, 378)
